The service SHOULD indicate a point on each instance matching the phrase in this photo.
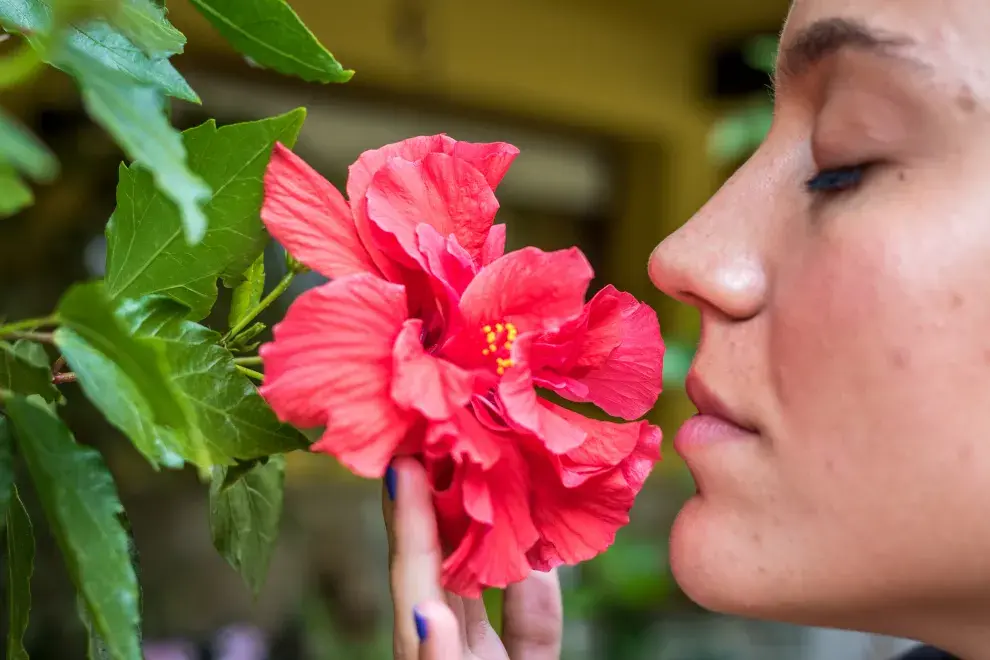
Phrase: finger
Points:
(482, 638)
(438, 631)
(415, 553)
(533, 618)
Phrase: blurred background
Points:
(629, 114)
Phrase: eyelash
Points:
(836, 180)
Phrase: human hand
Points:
(433, 624)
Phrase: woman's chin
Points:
(722, 567)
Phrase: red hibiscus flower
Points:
(429, 341)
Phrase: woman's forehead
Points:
(949, 36)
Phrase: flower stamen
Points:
(498, 340)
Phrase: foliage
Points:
(187, 217)
(736, 135)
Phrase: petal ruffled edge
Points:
(310, 219)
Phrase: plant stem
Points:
(43, 337)
(59, 365)
(68, 377)
(250, 359)
(251, 373)
(27, 324)
(279, 289)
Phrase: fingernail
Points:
(420, 625)
(390, 482)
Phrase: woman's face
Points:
(843, 277)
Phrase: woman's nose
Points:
(715, 261)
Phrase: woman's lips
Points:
(702, 430)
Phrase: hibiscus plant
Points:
(428, 339)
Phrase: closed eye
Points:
(836, 180)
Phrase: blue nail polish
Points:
(390, 482)
(420, 625)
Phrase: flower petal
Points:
(465, 438)
(448, 264)
(611, 356)
(310, 219)
(493, 555)
(440, 190)
(330, 364)
(533, 289)
(434, 387)
(607, 445)
(577, 523)
(494, 244)
(524, 409)
(492, 159)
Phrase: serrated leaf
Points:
(81, 505)
(272, 34)
(135, 117)
(233, 418)
(128, 379)
(247, 294)
(145, 24)
(24, 153)
(144, 251)
(14, 193)
(94, 44)
(20, 568)
(21, 373)
(244, 518)
(6, 466)
(122, 90)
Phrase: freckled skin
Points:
(853, 329)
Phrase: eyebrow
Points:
(827, 37)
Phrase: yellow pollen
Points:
(499, 338)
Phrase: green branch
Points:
(27, 325)
(251, 373)
(265, 302)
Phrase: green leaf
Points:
(6, 466)
(20, 568)
(233, 418)
(24, 152)
(21, 371)
(94, 45)
(80, 502)
(127, 378)
(136, 119)
(245, 516)
(123, 90)
(145, 24)
(271, 34)
(247, 294)
(14, 193)
(144, 253)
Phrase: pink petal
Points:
(310, 219)
(434, 387)
(440, 190)
(494, 244)
(465, 438)
(330, 364)
(448, 264)
(493, 555)
(607, 445)
(611, 356)
(524, 409)
(492, 159)
(359, 178)
(532, 289)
